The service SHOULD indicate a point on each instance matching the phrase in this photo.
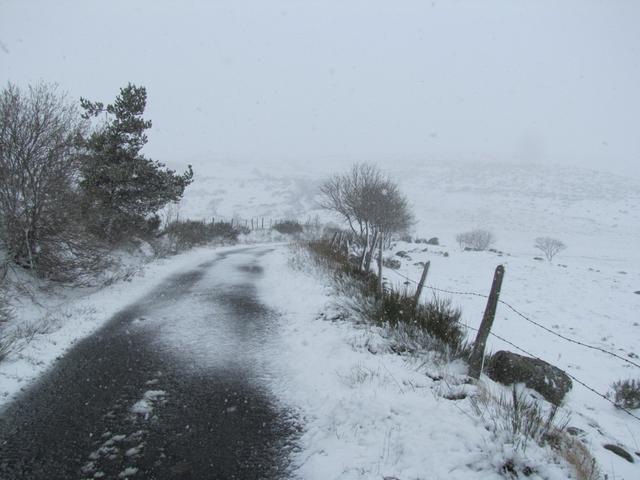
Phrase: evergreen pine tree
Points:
(122, 189)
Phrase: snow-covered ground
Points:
(372, 415)
(588, 300)
(375, 415)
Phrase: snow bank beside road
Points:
(80, 315)
(371, 415)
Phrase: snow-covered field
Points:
(596, 214)
(588, 300)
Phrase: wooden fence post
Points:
(416, 299)
(380, 285)
(477, 356)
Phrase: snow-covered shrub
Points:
(478, 239)
(391, 263)
(14, 338)
(42, 228)
(6, 312)
(436, 318)
(190, 233)
(5, 309)
(517, 420)
(7, 342)
(576, 454)
(442, 321)
(626, 393)
(434, 325)
(430, 241)
(7, 339)
(288, 226)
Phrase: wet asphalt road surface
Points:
(170, 388)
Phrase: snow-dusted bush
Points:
(6, 313)
(14, 338)
(435, 324)
(7, 339)
(576, 454)
(392, 263)
(549, 246)
(516, 422)
(5, 309)
(41, 227)
(515, 419)
(187, 234)
(288, 226)
(7, 343)
(626, 393)
(478, 239)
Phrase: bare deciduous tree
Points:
(371, 205)
(549, 246)
(39, 148)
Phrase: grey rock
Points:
(549, 381)
(618, 450)
(576, 432)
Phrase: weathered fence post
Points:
(262, 223)
(423, 278)
(380, 285)
(477, 356)
(251, 223)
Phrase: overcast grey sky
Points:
(515, 80)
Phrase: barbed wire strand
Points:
(508, 342)
(524, 317)
(593, 390)
(577, 342)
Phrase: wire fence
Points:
(544, 328)
(250, 223)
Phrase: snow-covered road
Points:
(173, 386)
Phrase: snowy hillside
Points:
(595, 213)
